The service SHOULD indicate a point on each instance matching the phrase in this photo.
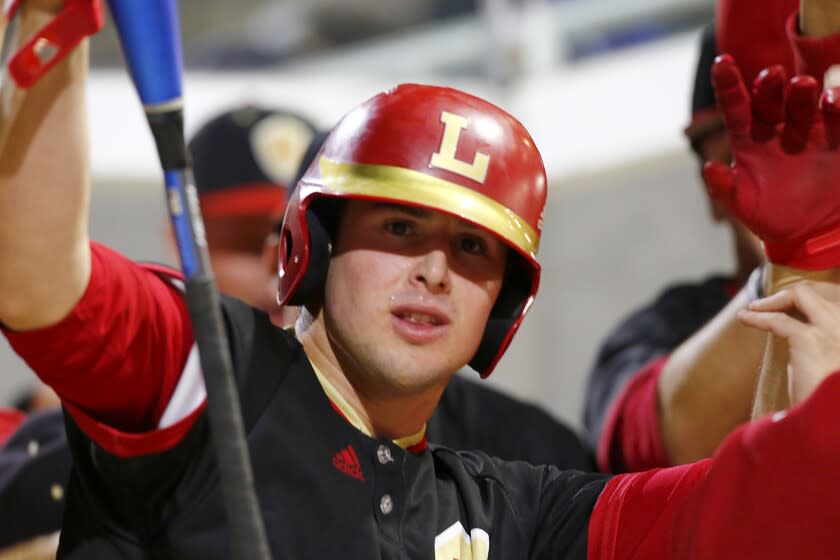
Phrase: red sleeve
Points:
(770, 492)
(631, 439)
(10, 420)
(116, 359)
(812, 55)
(635, 513)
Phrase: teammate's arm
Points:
(814, 36)
(769, 492)
(707, 386)
(668, 368)
(695, 414)
(44, 187)
(109, 336)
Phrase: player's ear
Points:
(271, 253)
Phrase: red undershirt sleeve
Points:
(770, 492)
(116, 359)
(10, 421)
(631, 439)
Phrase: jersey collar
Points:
(414, 442)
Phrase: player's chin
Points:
(437, 360)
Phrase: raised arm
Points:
(783, 134)
(707, 386)
(111, 337)
(769, 491)
(44, 187)
(717, 370)
(654, 395)
(814, 36)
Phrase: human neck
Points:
(381, 410)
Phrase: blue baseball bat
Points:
(151, 41)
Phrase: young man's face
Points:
(408, 294)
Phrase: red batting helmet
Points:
(435, 148)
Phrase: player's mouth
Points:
(419, 324)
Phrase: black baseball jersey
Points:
(35, 464)
(326, 489)
(646, 335)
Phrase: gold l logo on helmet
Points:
(445, 158)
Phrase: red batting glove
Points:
(784, 183)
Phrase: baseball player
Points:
(242, 184)
(674, 378)
(245, 160)
(411, 245)
(471, 415)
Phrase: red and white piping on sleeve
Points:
(189, 395)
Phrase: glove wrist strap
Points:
(818, 252)
(77, 20)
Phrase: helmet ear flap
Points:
(516, 289)
(320, 246)
(488, 350)
(504, 317)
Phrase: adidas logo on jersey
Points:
(347, 462)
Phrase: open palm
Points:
(784, 182)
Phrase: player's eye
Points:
(472, 245)
(400, 228)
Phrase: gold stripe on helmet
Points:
(410, 186)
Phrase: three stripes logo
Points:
(347, 462)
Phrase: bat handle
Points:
(247, 530)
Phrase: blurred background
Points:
(603, 86)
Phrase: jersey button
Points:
(383, 453)
(386, 504)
